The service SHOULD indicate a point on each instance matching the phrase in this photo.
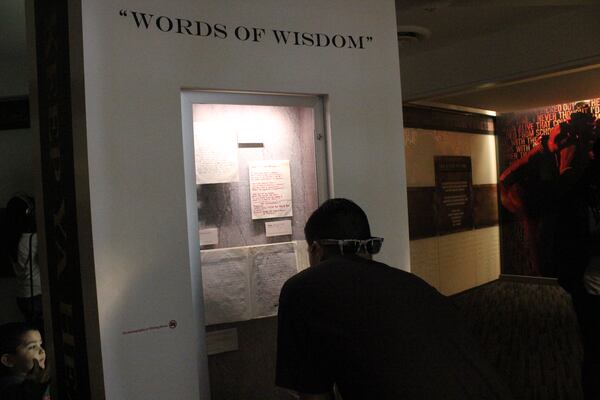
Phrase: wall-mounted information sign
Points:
(453, 187)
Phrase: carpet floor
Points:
(529, 333)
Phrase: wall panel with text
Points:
(452, 200)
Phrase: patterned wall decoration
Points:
(60, 214)
(528, 234)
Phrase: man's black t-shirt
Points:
(378, 333)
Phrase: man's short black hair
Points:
(337, 219)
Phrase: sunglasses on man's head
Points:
(355, 246)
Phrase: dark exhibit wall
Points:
(530, 185)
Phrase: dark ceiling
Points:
(448, 22)
(452, 21)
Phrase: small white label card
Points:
(302, 259)
(222, 341)
(278, 228)
(209, 236)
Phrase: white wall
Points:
(563, 41)
(459, 261)
(133, 79)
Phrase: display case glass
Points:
(260, 171)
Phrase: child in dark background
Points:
(23, 371)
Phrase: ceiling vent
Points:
(408, 34)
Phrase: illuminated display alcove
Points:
(260, 170)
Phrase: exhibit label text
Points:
(203, 29)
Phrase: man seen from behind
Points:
(370, 330)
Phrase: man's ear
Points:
(7, 360)
(316, 249)
(316, 253)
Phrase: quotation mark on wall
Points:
(123, 13)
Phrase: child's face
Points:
(30, 349)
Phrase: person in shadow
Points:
(21, 242)
(370, 330)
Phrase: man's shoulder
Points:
(339, 268)
(302, 278)
(398, 277)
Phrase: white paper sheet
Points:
(270, 189)
(216, 153)
(244, 282)
(278, 228)
(226, 285)
(302, 260)
(272, 265)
